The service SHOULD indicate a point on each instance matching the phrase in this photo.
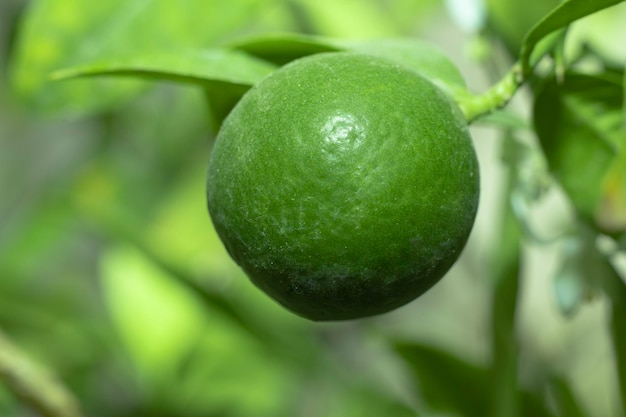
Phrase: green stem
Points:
(34, 385)
(474, 107)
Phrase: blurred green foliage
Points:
(112, 277)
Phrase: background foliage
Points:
(113, 280)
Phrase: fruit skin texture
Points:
(344, 185)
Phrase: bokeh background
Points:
(113, 279)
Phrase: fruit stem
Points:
(476, 106)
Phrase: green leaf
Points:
(202, 67)
(58, 34)
(447, 383)
(579, 124)
(566, 400)
(618, 337)
(534, 405)
(363, 401)
(281, 48)
(414, 54)
(170, 335)
(511, 19)
(564, 14)
(599, 268)
(615, 289)
(419, 56)
(359, 19)
(225, 74)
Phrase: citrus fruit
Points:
(344, 185)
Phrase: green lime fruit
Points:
(344, 185)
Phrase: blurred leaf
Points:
(447, 383)
(566, 401)
(505, 276)
(158, 319)
(579, 124)
(618, 337)
(348, 18)
(363, 19)
(210, 298)
(422, 57)
(615, 288)
(611, 212)
(598, 267)
(175, 341)
(414, 54)
(225, 74)
(365, 402)
(572, 282)
(37, 234)
(226, 375)
(511, 19)
(64, 33)
(602, 33)
(564, 14)
(534, 405)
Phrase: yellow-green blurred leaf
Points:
(57, 34)
(611, 211)
(157, 319)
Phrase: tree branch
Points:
(34, 385)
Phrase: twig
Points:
(34, 385)
(474, 107)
